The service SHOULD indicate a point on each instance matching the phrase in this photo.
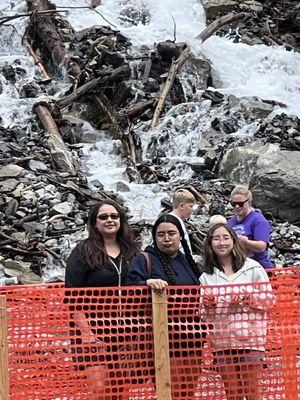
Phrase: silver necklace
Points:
(118, 269)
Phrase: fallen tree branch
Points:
(16, 160)
(117, 73)
(83, 192)
(175, 67)
(111, 115)
(60, 155)
(30, 217)
(37, 61)
(21, 251)
(129, 151)
(220, 22)
(8, 18)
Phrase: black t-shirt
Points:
(80, 274)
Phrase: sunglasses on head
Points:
(238, 203)
(104, 217)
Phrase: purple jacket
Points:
(255, 227)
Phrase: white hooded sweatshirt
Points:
(241, 325)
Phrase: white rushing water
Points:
(266, 72)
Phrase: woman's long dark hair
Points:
(238, 254)
(164, 259)
(92, 250)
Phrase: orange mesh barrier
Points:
(67, 344)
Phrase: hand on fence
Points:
(157, 284)
(209, 301)
(241, 300)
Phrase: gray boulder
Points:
(215, 8)
(271, 174)
(275, 184)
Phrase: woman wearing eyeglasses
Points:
(101, 260)
(169, 266)
(251, 226)
(235, 297)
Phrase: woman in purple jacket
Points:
(251, 226)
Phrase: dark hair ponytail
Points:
(164, 259)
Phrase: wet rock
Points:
(238, 163)
(4, 281)
(11, 207)
(11, 171)
(9, 184)
(281, 129)
(62, 208)
(9, 73)
(216, 8)
(122, 187)
(276, 186)
(33, 226)
(168, 50)
(35, 165)
(203, 147)
(30, 278)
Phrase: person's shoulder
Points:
(258, 216)
(76, 251)
(232, 221)
(256, 268)
(251, 263)
(141, 256)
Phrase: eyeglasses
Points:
(104, 217)
(238, 203)
(219, 239)
(170, 234)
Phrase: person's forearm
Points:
(256, 246)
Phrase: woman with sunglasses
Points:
(251, 226)
(235, 298)
(101, 260)
(169, 266)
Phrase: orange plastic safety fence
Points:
(233, 342)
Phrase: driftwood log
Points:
(60, 155)
(175, 67)
(220, 22)
(46, 78)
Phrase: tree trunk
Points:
(61, 156)
(47, 32)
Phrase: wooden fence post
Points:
(161, 345)
(4, 388)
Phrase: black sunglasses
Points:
(104, 217)
(238, 203)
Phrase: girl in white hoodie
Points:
(236, 294)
